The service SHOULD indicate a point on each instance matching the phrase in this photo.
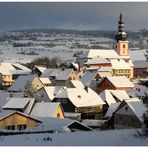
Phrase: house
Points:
(80, 100)
(38, 83)
(73, 116)
(5, 79)
(60, 77)
(47, 109)
(22, 83)
(38, 70)
(47, 93)
(98, 62)
(115, 83)
(75, 84)
(19, 70)
(129, 114)
(111, 97)
(139, 91)
(90, 79)
(94, 124)
(112, 108)
(5, 75)
(121, 67)
(51, 73)
(15, 120)
(102, 75)
(20, 104)
(10, 71)
(65, 76)
(140, 69)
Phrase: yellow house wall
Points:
(59, 110)
(73, 76)
(97, 109)
(122, 72)
(6, 80)
(17, 119)
(36, 84)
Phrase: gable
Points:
(16, 118)
(125, 110)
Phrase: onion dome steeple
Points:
(121, 35)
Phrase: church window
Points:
(123, 45)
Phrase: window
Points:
(21, 127)
(10, 127)
(58, 115)
(126, 108)
(123, 45)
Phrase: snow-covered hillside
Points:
(128, 137)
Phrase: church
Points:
(116, 59)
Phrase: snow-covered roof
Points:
(52, 91)
(102, 53)
(17, 103)
(120, 81)
(107, 97)
(120, 94)
(141, 54)
(41, 69)
(5, 68)
(138, 108)
(18, 66)
(21, 82)
(63, 75)
(92, 122)
(62, 94)
(13, 68)
(138, 91)
(97, 60)
(105, 69)
(88, 77)
(4, 98)
(5, 113)
(111, 109)
(77, 83)
(45, 80)
(120, 64)
(140, 64)
(44, 109)
(80, 97)
(50, 123)
(50, 72)
(104, 74)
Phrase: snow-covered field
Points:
(128, 137)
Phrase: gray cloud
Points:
(72, 15)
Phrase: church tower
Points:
(121, 45)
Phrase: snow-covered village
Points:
(64, 87)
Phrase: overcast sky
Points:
(76, 15)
